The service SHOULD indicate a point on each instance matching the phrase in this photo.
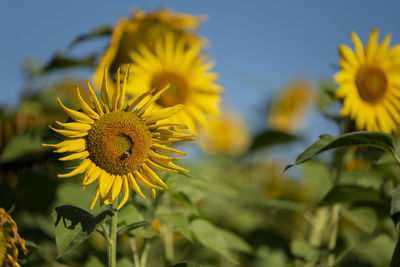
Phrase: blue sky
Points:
(258, 45)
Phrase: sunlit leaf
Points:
(302, 249)
(210, 236)
(269, 138)
(94, 262)
(363, 217)
(178, 220)
(74, 225)
(362, 138)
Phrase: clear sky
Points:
(258, 45)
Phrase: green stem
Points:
(333, 233)
(396, 157)
(112, 245)
(135, 253)
(145, 253)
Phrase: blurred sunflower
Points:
(369, 82)
(9, 241)
(188, 74)
(143, 29)
(118, 143)
(289, 108)
(226, 133)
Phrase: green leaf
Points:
(235, 242)
(364, 218)
(352, 194)
(124, 262)
(302, 249)
(132, 226)
(21, 146)
(209, 236)
(60, 61)
(178, 220)
(103, 30)
(270, 137)
(128, 215)
(318, 178)
(74, 225)
(326, 97)
(187, 264)
(395, 206)
(362, 138)
(94, 262)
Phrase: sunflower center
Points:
(119, 142)
(371, 84)
(177, 92)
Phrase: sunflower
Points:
(118, 143)
(226, 133)
(289, 108)
(142, 28)
(369, 83)
(9, 241)
(188, 74)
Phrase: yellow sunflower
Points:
(369, 82)
(187, 72)
(144, 28)
(226, 133)
(118, 143)
(9, 241)
(289, 108)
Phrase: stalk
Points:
(112, 244)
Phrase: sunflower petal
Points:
(76, 115)
(116, 187)
(132, 181)
(105, 182)
(153, 176)
(166, 149)
(125, 186)
(75, 126)
(145, 182)
(139, 99)
(96, 196)
(163, 114)
(85, 106)
(104, 93)
(78, 155)
(78, 170)
(94, 98)
(160, 167)
(72, 145)
(152, 99)
(69, 133)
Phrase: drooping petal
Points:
(78, 170)
(105, 182)
(125, 186)
(151, 174)
(163, 114)
(145, 182)
(96, 196)
(132, 181)
(166, 149)
(160, 167)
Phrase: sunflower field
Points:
(200, 134)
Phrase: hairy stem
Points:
(112, 244)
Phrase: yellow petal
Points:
(153, 99)
(78, 155)
(161, 157)
(94, 98)
(121, 102)
(92, 175)
(167, 124)
(125, 186)
(159, 167)
(95, 198)
(153, 176)
(166, 149)
(80, 169)
(358, 46)
(145, 182)
(134, 185)
(139, 99)
(116, 187)
(116, 92)
(69, 133)
(85, 106)
(105, 182)
(104, 93)
(163, 114)
(172, 165)
(76, 115)
(153, 193)
(72, 145)
(75, 126)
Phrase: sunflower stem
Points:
(112, 244)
